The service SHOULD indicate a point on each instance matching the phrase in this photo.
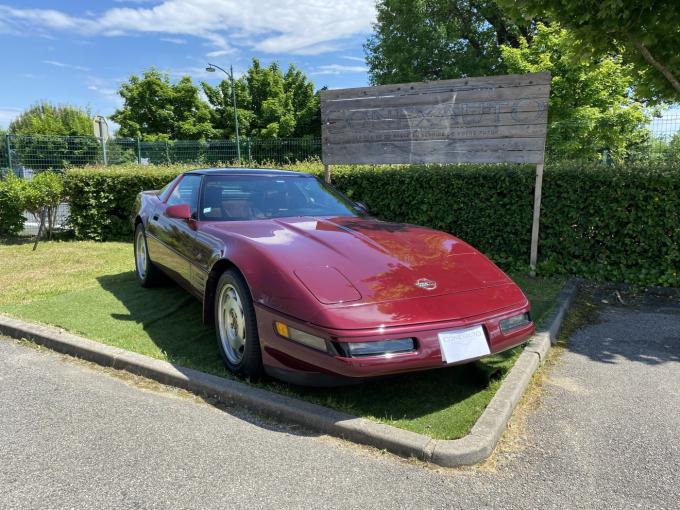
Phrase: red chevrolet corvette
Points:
(302, 284)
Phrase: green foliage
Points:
(156, 109)
(618, 223)
(46, 119)
(42, 152)
(101, 198)
(44, 193)
(645, 32)
(49, 136)
(416, 40)
(672, 150)
(270, 104)
(45, 190)
(17, 195)
(591, 109)
(12, 196)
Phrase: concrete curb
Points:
(470, 449)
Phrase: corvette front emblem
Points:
(426, 284)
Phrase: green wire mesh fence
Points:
(29, 154)
(660, 140)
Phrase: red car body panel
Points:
(346, 279)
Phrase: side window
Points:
(186, 192)
(165, 190)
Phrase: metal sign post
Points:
(101, 131)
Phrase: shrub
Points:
(12, 199)
(101, 198)
(617, 223)
(45, 191)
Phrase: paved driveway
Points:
(605, 434)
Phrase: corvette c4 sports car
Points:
(301, 283)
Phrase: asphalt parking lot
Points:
(604, 431)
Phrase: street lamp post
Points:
(211, 69)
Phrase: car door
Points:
(176, 238)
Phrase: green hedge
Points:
(616, 223)
(101, 198)
(12, 193)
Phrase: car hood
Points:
(349, 261)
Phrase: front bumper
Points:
(289, 360)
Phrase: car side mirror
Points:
(179, 211)
(362, 207)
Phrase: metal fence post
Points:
(250, 154)
(103, 142)
(9, 150)
(139, 152)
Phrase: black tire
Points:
(232, 295)
(150, 275)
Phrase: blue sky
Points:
(78, 52)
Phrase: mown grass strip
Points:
(90, 289)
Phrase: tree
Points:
(416, 40)
(42, 197)
(50, 136)
(270, 104)
(644, 32)
(591, 108)
(305, 103)
(47, 119)
(222, 112)
(272, 107)
(156, 109)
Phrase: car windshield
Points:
(252, 197)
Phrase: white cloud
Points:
(105, 88)
(339, 69)
(354, 59)
(275, 26)
(219, 53)
(174, 40)
(56, 63)
(7, 115)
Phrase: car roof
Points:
(247, 171)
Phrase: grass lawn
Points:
(90, 289)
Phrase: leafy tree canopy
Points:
(270, 104)
(645, 32)
(156, 109)
(47, 119)
(591, 109)
(416, 40)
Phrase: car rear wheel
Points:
(236, 326)
(147, 273)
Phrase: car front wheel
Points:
(236, 325)
(147, 272)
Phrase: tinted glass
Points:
(186, 192)
(165, 190)
(243, 197)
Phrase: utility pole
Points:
(211, 69)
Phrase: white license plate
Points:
(463, 344)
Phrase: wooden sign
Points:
(501, 119)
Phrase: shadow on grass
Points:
(170, 317)
(172, 320)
